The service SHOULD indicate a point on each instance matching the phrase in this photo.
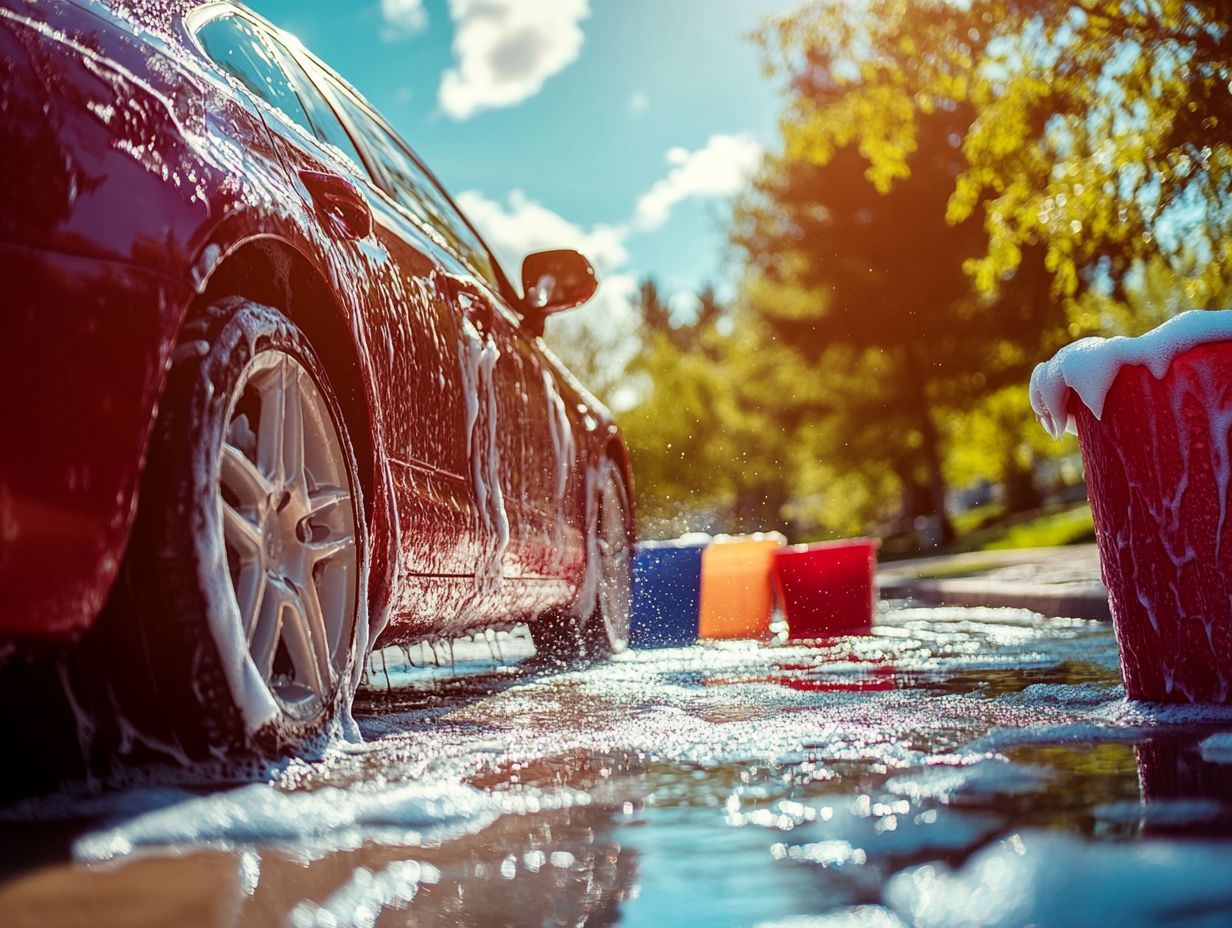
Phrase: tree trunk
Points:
(914, 496)
(1021, 493)
(917, 391)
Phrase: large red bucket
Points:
(1158, 465)
(827, 589)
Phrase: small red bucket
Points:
(827, 589)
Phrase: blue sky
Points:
(617, 126)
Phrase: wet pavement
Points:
(957, 767)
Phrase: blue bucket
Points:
(667, 585)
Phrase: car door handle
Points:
(468, 296)
(341, 200)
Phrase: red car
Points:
(268, 397)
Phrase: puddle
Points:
(957, 767)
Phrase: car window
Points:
(414, 188)
(263, 65)
(235, 45)
(324, 122)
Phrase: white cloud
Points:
(720, 169)
(506, 49)
(521, 225)
(402, 18)
(684, 303)
(639, 103)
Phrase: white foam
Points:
(479, 355)
(863, 916)
(1046, 878)
(587, 602)
(321, 820)
(1074, 696)
(564, 454)
(1152, 714)
(1217, 749)
(982, 779)
(846, 832)
(1003, 739)
(1160, 813)
(1090, 365)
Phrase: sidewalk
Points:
(1052, 581)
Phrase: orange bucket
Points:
(736, 595)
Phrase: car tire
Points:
(243, 595)
(596, 625)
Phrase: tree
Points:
(674, 432)
(878, 269)
(712, 437)
(1102, 131)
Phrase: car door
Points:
(537, 414)
(500, 381)
(552, 485)
(483, 389)
(533, 438)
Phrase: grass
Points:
(1067, 525)
(972, 520)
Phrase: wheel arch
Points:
(272, 271)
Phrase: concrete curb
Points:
(1071, 600)
(1061, 582)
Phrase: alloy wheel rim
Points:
(288, 525)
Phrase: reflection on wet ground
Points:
(957, 767)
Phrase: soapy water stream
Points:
(957, 767)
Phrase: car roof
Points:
(158, 14)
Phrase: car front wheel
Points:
(246, 574)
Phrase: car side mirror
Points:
(557, 280)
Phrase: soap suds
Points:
(1090, 365)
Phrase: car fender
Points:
(304, 279)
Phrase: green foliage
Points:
(1102, 129)
(710, 440)
(997, 439)
(862, 272)
(1068, 527)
